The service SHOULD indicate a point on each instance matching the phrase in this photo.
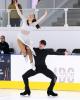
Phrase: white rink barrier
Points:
(67, 68)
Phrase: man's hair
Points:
(43, 42)
(3, 36)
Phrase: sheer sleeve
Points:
(39, 20)
(19, 13)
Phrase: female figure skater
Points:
(23, 38)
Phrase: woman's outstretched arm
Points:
(40, 19)
(18, 11)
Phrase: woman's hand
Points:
(46, 13)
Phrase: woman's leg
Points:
(29, 52)
(22, 47)
(31, 58)
(25, 50)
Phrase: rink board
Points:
(67, 69)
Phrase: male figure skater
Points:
(41, 67)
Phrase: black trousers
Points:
(15, 22)
(44, 71)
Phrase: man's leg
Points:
(26, 82)
(53, 78)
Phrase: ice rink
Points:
(6, 94)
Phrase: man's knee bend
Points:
(54, 78)
(24, 77)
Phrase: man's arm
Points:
(50, 52)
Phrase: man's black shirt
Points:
(41, 56)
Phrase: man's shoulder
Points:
(49, 51)
(35, 48)
(6, 43)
